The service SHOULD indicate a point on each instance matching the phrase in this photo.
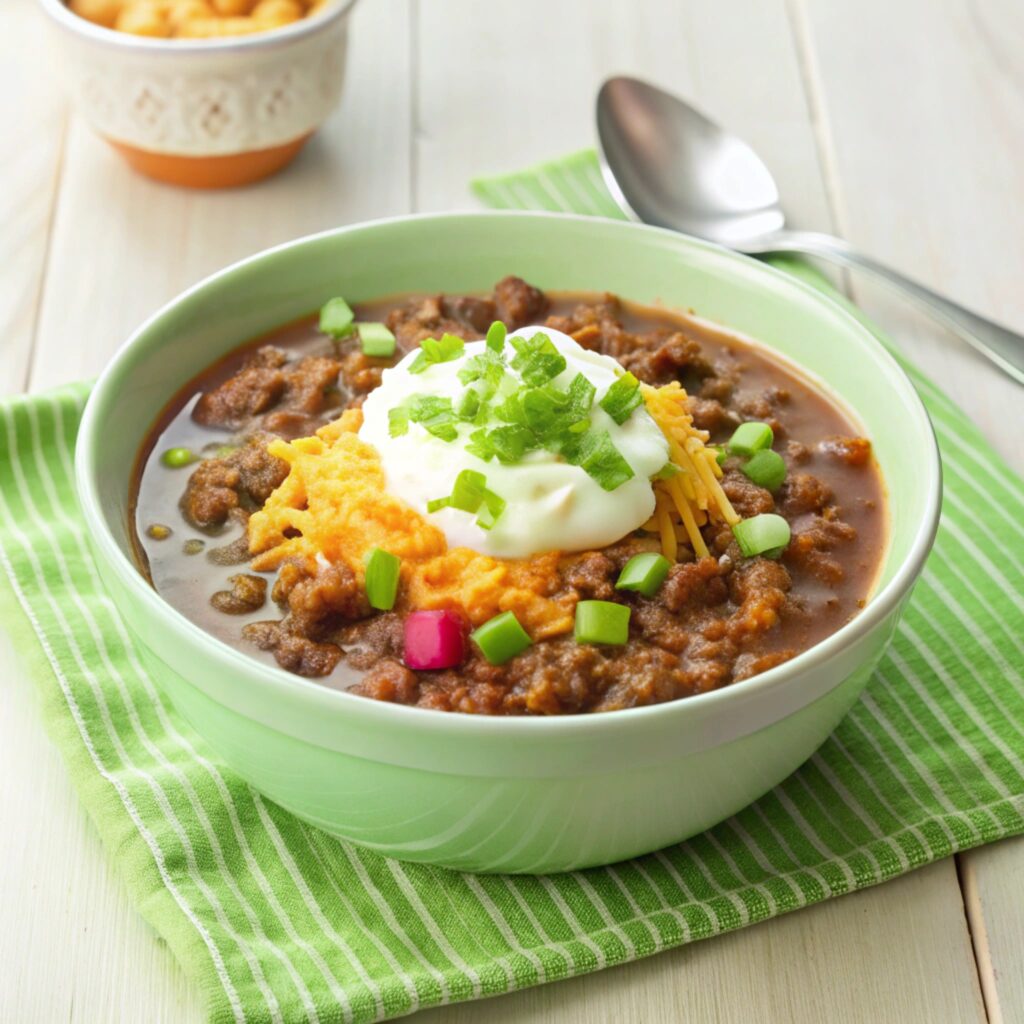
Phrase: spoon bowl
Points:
(667, 164)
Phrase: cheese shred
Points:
(693, 496)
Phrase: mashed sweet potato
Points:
(333, 506)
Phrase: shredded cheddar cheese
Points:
(333, 505)
(685, 501)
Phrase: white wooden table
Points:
(899, 123)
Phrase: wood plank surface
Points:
(825, 93)
(993, 885)
(80, 952)
(533, 97)
(72, 947)
(858, 960)
(154, 240)
(927, 154)
(31, 148)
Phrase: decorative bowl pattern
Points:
(200, 100)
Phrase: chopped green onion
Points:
(766, 534)
(601, 622)
(496, 337)
(492, 507)
(537, 359)
(597, 455)
(669, 470)
(451, 346)
(721, 456)
(382, 569)
(469, 405)
(376, 340)
(543, 408)
(508, 444)
(176, 458)
(581, 396)
(644, 573)
(336, 318)
(433, 351)
(511, 410)
(424, 407)
(501, 638)
(435, 414)
(622, 398)
(470, 494)
(766, 469)
(430, 352)
(398, 421)
(468, 491)
(479, 444)
(487, 366)
(441, 427)
(750, 437)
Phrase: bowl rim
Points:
(452, 725)
(155, 47)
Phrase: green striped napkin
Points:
(279, 922)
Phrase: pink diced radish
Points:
(433, 640)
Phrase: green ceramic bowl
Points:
(491, 794)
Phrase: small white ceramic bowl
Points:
(205, 113)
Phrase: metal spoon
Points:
(667, 164)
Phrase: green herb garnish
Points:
(766, 534)
(537, 360)
(581, 396)
(496, 337)
(336, 318)
(376, 340)
(469, 405)
(470, 494)
(622, 398)
(468, 491)
(596, 454)
(487, 366)
(509, 444)
(644, 573)
(398, 421)
(601, 622)
(491, 509)
(435, 415)
(750, 437)
(433, 351)
(382, 573)
(766, 468)
(500, 639)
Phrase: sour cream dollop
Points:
(550, 504)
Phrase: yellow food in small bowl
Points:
(194, 19)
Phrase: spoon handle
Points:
(1004, 347)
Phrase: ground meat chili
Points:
(714, 621)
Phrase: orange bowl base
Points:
(228, 171)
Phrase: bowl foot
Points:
(227, 171)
